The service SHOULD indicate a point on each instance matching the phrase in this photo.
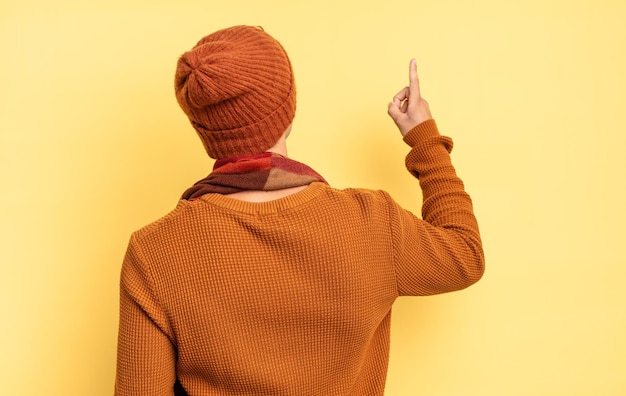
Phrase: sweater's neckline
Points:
(267, 207)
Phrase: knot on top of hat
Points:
(207, 75)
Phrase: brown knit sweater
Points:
(292, 296)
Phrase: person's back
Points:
(265, 280)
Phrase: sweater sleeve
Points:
(441, 252)
(146, 357)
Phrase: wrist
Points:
(420, 132)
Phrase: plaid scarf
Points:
(267, 171)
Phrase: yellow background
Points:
(94, 146)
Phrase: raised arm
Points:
(441, 252)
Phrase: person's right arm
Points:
(441, 252)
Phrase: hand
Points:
(408, 108)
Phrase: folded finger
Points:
(401, 96)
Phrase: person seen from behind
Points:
(264, 279)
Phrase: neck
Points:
(280, 147)
(264, 196)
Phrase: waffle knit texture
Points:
(291, 296)
(237, 88)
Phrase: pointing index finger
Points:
(414, 84)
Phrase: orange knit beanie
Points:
(237, 88)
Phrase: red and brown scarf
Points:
(267, 171)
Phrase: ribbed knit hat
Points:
(237, 88)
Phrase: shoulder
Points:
(360, 194)
(361, 199)
(173, 219)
